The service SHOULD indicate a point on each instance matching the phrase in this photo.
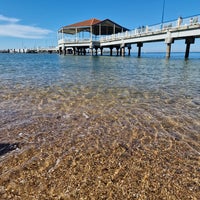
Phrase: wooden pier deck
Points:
(181, 29)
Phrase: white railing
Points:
(140, 31)
(73, 41)
(158, 28)
(76, 41)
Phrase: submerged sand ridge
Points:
(86, 143)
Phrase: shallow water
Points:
(105, 127)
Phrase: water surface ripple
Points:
(81, 127)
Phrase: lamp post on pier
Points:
(163, 13)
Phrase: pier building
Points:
(77, 38)
(96, 35)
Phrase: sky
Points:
(34, 23)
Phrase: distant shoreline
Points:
(53, 51)
(28, 51)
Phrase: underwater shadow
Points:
(7, 147)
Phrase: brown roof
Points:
(104, 27)
(89, 22)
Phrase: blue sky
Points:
(34, 23)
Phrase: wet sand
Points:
(86, 144)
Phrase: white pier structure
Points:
(78, 37)
(121, 38)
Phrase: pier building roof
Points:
(94, 26)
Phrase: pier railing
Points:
(181, 23)
(153, 29)
(73, 41)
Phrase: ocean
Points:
(99, 127)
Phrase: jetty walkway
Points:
(107, 34)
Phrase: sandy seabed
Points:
(85, 147)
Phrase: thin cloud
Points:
(23, 31)
(13, 29)
(8, 19)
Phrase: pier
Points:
(108, 34)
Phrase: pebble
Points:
(2, 189)
(20, 134)
(86, 116)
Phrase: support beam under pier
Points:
(91, 51)
(168, 50)
(122, 51)
(84, 51)
(101, 51)
(139, 45)
(96, 51)
(169, 40)
(111, 51)
(65, 50)
(117, 49)
(188, 41)
(78, 50)
(74, 51)
(129, 50)
(60, 50)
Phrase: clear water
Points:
(148, 105)
(149, 79)
(170, 87)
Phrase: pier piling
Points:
(96, 51)
(117, 49)
(111, 51)
(139, 45)
(188, 41)
(129, 50)
(101, 51)
(168, 51)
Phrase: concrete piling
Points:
(188, 41)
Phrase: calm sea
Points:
(32, 83)
(108, 125)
